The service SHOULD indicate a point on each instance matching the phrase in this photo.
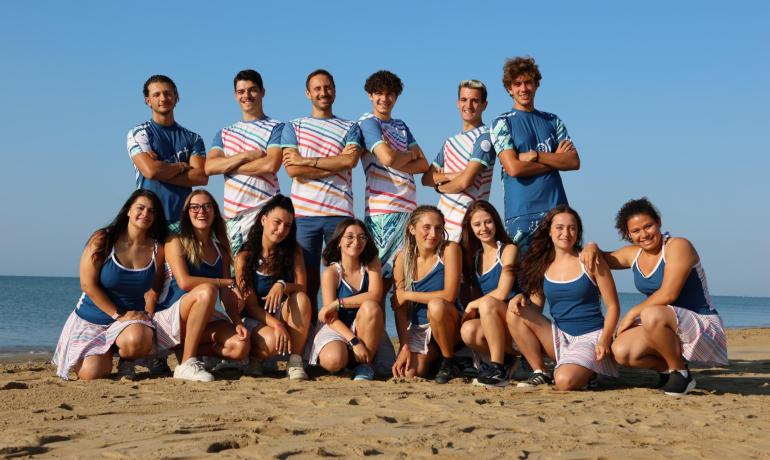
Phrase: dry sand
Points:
(727, 416)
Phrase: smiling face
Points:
(564, 231)
(471, 105)
(201, 210)
(428, 232)
(383, 103)
(321, 92)
(483, 226)
(523, 90)
(161, 98)
(276, 225)
(141, 214)
(353, 241)
(644, 231)
(249, 97)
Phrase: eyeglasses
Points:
(350, 238)
(196, 208)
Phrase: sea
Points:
(33, 310)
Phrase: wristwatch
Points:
(353, 342)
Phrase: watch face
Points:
(354, 341)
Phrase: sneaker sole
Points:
(476, 382)
(690, 387)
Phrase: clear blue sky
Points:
(664, 99)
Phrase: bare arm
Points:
(153, 294)
(619, 259)
(565, 158)
(433, 176)
(392, 158)
(514, 167)
(194, 176)
(269, 163)
(609, 293)
(319, 167)
(178, 261)
(152, 168)
(508, 273)
(218, 163)
(463, 180)
(400, 308)
(452, 269)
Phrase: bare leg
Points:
(369, 326)
(195, 309)
(95, 367)
(296, 311)
(219, 339)
(444, 322)
(659, 324)
(492, 316)
(571, 377)
(334, 356)
(473, 336)
(135, 341)
(532, 333)
(633, 349)
(421, 363)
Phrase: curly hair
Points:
(104, 238)
(383, 81)
(192, 248)
(471, 244)
(281, 260)
(632, 208)
(332, 253)
(515, 67)
(541, 252)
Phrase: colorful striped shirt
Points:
(458, 151)
(387, 189)
(321, 138)
(244, 193)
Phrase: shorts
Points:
(312, 233)
(581, 350)
(388, 233)
(383, 359)
(238, 228)
(521, 228)
(419, 338)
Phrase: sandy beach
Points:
(239, 417)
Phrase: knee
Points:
(437, 310)
(468, 331)
(621, 353)
(333, 362)
(369, 311)
(488, 306)
(565, 382)
(136, 343)
(205, 296)
(652, 318)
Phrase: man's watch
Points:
(353, 342)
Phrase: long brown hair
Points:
(410, 243)
(541, 252)
(332, 253)
(192, 248)
(471, 244)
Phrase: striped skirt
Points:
(703, 337)
(168, 332)
(323, 335)
(419, 338)
(80, 338)
(581, 350)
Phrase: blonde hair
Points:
(409, 252)
(192, 248)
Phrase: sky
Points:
(662, 99)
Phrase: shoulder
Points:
(679, 245)
(509, 251)
(331, 273)
(452, 249)
(187, 132)
(140, 128)
(97, 238)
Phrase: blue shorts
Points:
(521, 228)
(312, 233)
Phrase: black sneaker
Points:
(536, 379)
(678, 385)
(447, 371)
(492, 375)
(467, 368)
(159, 367)
(523, 371)
(662, 380)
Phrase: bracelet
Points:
(282, 283)
(116, 315)
(537, 156)
(315, 165)
(339, 304)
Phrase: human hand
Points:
(273, 298)
(603, 348)
(403, 362)
(628, 321)
(282, 339)
(471, 310)
(589, 256)
(293, 158)
(517, 304)
(328, 314)
(251, 155)
(565, 146)
(361, 353)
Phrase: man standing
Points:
(390, 162)
(462, 170)
(533, 147)
(248, 153)
(319, 153)
(168, 159)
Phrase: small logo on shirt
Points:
(486, 146)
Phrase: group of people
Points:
(454, 274)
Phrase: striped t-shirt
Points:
(244, 193)
(458, 151)
(387, 189)
(320, 138)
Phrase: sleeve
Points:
(198, 147)
(483, 151)
(217, 143)
(438, 162)
(276, 136)
(500, 135)
(561, 130)
(371, 132)
(354, 136)
(138, 141)
(288, 136)
(410, 141)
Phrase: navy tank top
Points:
(124, 286)
(263, 283)
(574, 305)
(433, 281)
(171, 290)
(489, 280)
(348, 315)
(694, 295)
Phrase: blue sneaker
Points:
(363, 372)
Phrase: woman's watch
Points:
(353, 342)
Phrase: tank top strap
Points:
(585, 272)
(337, 267)
(216, 248)
(666, 237)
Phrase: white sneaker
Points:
(126, 369)
(295, 368)
(192, 369)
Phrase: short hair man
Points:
(319, 153)
(533, 146)
(168, 159)
(462, 170)
(390, 162)
(248, 153)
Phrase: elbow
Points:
(427, 180)
(202, 180)
(513, 171)
(292, 172)
(574, 165)
(149, 173)
(209, 169)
